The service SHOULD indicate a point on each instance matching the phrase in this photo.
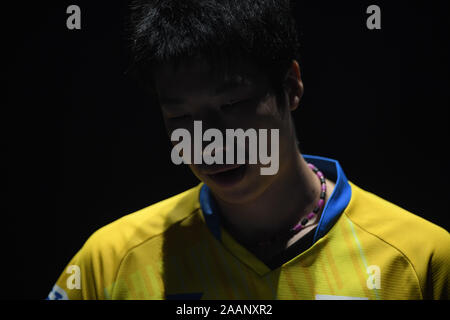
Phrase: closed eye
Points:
(233, 104)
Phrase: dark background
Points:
(84, 146)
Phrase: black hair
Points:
(223, 32)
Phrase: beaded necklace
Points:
(302, 224)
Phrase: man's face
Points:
(244, 100)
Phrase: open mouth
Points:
(228, 176)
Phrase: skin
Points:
(258, 206)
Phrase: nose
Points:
(210, 119)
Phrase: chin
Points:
(244, 190)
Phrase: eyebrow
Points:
(228, 85)
(232, 84)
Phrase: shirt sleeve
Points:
(438, 280)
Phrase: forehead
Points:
(196, 76)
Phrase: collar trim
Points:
(335, 205)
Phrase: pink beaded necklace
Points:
(302, 224)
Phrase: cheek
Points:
(268, 107)
(171, 127)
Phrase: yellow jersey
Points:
(364, 247)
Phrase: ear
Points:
(293, 85)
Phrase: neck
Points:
(291, 196)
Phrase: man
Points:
(302, 232)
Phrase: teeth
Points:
(227, 171)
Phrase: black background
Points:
(84, 146)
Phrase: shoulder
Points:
(425, 245)
(107, 247)
(135, 228)
(393, 223)
(97, 263)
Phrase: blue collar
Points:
(335, 205)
